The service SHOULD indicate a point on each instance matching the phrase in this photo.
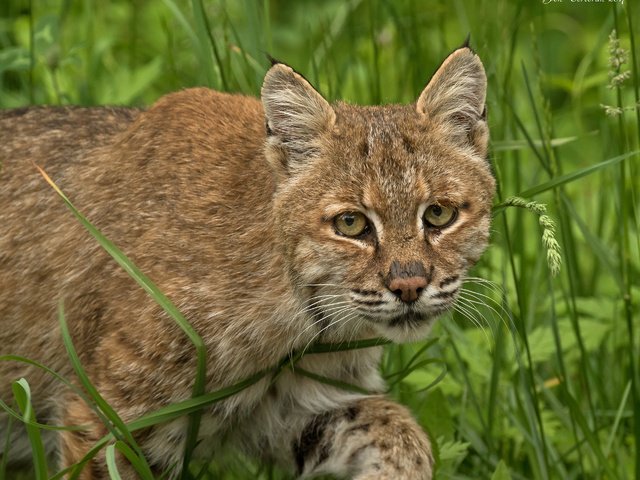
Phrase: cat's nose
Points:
(407, 289)
(407, 280)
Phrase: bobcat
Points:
(271, 224)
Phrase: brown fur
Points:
(236, 227)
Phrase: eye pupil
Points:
(438, 216)
(351, 224)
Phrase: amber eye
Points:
(351, 224)
(439, 216)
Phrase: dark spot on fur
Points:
(323, 455)
(371, 303)
(310, 439)
(364, 149)
(384, 445)
(445, 294)
(448, 281)
(184, 358)
(367, 292)
(273, 391)
(96, 469)
(384, 421)
(408, 145)
(352, 412)
(430, 274)
(418, 461)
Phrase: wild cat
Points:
(271, 224)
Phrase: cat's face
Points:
(381, 210)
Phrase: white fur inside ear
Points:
(296, 113)
(457, 92)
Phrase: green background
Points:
(540, 372)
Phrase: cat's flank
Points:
(271, 224)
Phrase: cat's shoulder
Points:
(200, 104)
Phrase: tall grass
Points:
(534, 375)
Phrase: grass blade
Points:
(115, 423)
(22, 395)
(160, 299)
(111, 463)
(329, 381)
(340, 347)
(571, 177)
(139, 464)
(32, 423)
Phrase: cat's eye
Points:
(439, 216)
(351, 224)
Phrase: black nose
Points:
(407, 281)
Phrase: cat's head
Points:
(380, 211)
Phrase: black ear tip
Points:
(272, 60)
(467, 43)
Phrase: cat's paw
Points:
(370, 438)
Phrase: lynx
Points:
(271, 225)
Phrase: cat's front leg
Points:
(371, 438)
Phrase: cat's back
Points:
(152, 180)
(104, 156)
(55, 137)
(44, 134)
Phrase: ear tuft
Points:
(456, 95)
(296, 114)
(467, 42)
(272, 60)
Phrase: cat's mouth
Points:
(408, 326)
(410, 319)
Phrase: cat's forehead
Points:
(399, 159)
(394, 139)
(385, 134)
(378, 122)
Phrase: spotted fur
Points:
(228, 204)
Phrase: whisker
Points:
(486, 301)
(322, 330)
(483, 282)
(314, 306)
(319, 333)
(462, 310)
(318, 305)
(343, 287)
(470, 310)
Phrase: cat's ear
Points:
(455, 97)
(297, 116)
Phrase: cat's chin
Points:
(405, 328)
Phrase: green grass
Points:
(534, 375)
